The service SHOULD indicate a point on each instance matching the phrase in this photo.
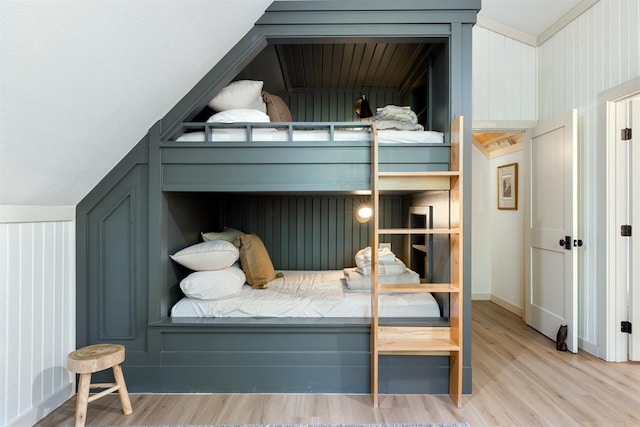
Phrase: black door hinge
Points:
(625, 327)
(625, 134)
(625, 230)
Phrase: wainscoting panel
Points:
(37, 301)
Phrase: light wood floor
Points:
(519, 379)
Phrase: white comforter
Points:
(308, 294)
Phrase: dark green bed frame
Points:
(298, 197)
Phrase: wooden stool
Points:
(94, 358)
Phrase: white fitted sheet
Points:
(308, 294)
(269, 134)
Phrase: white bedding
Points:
(270, 134)
(308, 294)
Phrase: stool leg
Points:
(82, 399)
(122, 391)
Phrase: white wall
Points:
(37, 306)
(507, 241)
(504, 96)
(596, 52)
(82, 83)
(482, 208)
(504, 78)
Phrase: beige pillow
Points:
(255, 261)
(229, 234)
(277, 109)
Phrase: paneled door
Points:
(552, 243)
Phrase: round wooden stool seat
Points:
(94, 358)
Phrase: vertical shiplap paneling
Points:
(597, 51)
(480, 73)
(336, 105)
(37, 331)
(4, 325)
(310, 232)
(504, 82)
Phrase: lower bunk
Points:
(270, 355)
(305, 331)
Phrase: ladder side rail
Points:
(374, 238)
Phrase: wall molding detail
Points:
(23, 214)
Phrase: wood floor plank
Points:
(519, 379)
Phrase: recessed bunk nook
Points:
(296, 184)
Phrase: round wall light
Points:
(363, 214)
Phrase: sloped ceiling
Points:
(82, 82)
(348, 65)
(286, 67)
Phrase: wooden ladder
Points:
(420, 340)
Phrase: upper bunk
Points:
(395, 55)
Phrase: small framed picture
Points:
(508, 186)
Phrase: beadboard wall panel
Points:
(597, 51)
(337, 105)
(504, 77)
(299, 232)
(37, 300)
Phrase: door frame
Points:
(613, 345)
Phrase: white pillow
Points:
(213, 255)
(239, 115)
(229, 234)
(240, 94)
(211, 285)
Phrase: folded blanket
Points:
(363, 256)
(396, 113)
(384, 268)
(357, 281)
(397, 125)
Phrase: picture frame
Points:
(508, 186)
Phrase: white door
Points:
(628, 213)
(624, 209)
(551, 297)
(634, 220)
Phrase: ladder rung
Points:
(414, 340)
(422, 174)
(413, 181)
(419, 231)
(413, 287)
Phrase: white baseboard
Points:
(481, 296)
(44, 408)
(507, 305)
(589, 347)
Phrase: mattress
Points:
(308, 294)
(270, 134)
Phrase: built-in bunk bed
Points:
(295, 185)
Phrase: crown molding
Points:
(507, 31)
(565, 20)
(530, 39)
